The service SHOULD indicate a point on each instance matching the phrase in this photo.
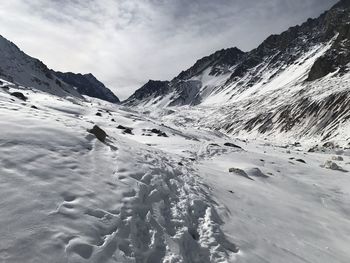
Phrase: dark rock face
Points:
(152, 89)
(19, 95)
(22, 69)
(128, 131)
(99, 133)
(228, 144)
(187, 91)
(88, 85)
(321, 68)
(219, 61)
(159, 133)
(335, 23)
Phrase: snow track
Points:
(67, 197)
(167, 216)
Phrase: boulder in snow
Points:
(239, 172)
(333, 166)
(228, 144)
(99, 133)
(19, 95)
(337, 158)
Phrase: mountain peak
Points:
(89, 85)
(89, 75)
(228, 72)
(218, 61)
(342, 4)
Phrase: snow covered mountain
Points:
(152, 89)
(190, 86)
(294, 83)
(21, 69)
(87, 84)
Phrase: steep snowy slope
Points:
(159, 191)
(192, 85)
(21, 69)
(294, 84)
(152, 89)
(87, 84)
(306, 52)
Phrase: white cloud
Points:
(126, 42)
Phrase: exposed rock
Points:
(34, 107)
(333, 166)
(300, 160)
(228, 144)
(19, 95)
(159, 133)
(313, 149)
(153, 88)
(321, 68)
(121, 127)
(337, 158)
(330, 145)
(99, 133)
(128, 131)
(87, 84)
(240, 172)
(98, 114)
(256, 172)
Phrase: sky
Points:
(124, 43)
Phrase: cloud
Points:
(126, 42)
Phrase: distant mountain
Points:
(220, 77)
(152, 89)
(297, 81)
(187, 87)
(21, 69)
(88, 85)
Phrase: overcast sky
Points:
(126, 42)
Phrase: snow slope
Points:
(23, 70)
(159, 189)
(67, 197)
(293, 86)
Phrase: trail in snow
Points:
(75, 199)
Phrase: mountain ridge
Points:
(294, 84)
(275, 52)
(23, 70)
(88, 84)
